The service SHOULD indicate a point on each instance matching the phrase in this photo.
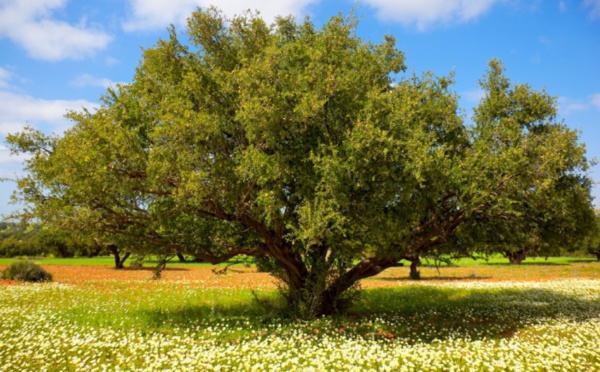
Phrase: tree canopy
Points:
(308, 146)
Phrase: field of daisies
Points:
(179, 325)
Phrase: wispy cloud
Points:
(475, 95)
(158, 14)
(5, 76)
(595, 100)
(568, 105)
(594, 7)
(7, 158)
(562, 6)
(17, 110)
(545, 41)
(425, 14)
(31, 25)
(111, 61)
(87, 80)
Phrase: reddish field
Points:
(240, 277)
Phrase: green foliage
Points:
(265, 264)
(306, 146)
(35, 240)
(590, 242)
(26, 271)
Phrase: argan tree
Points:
(590, 243)
(304, 146)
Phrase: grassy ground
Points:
(95, 261)
(496, 260)
(532, 317)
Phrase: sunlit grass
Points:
(494, 260)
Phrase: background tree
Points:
(590, 243)
(542, 199)
(301, 145)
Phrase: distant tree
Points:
(303, 146)
(20, 240)
(590, 243)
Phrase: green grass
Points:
(496, 260)
(107, 261)
(499, 260)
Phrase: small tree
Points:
(304, 146)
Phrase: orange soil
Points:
(239, 277)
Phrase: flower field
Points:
(99, 319)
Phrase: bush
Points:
(26, 271)
(137, 263)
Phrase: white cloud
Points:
(595, 100)
(475, 95)
(158, 14)
(594, 6)
(7, 158)
(568, 105)
(87, 80)
(30, 24)
(424, 14)
(17, 110)
(5, 76)
(562, 6)
(111, 61)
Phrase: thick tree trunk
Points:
(181, 257)
(339, 295)
(515, 258)
(598, 256)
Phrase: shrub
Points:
(137, 263)
(26, 271)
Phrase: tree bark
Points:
(414, 272)
(181, 257)
(515, 258)
(415, 262)
(119, 262)
(94, 251)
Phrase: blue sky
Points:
(57, 55)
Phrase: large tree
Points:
(304, 146)
(590, 242)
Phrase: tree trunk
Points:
(94, 251)
(119, 262)
(339, 294)
(598, 256)
(515, 258)
(415, 261)
(198, 259)
(181, 257)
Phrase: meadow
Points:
(477, 316)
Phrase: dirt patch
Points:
(248, 277)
